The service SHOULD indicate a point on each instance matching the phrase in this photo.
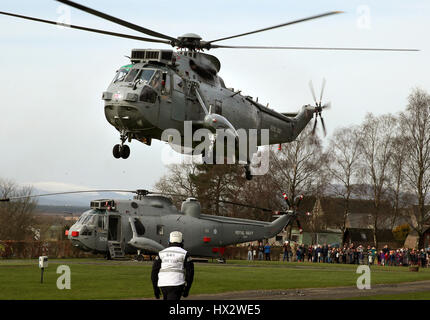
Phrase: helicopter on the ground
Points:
(142, 225)
(162, 89)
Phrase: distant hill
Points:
(65, 209)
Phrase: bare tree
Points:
(209, 183)
(297, 168)
(415, 123)
(376, 142)
(397, 196)
(218, 182)
(179, 181)
(16, 217)
(343, 165)
(258, 192)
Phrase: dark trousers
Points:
(172, 293)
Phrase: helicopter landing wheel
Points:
(125, 151)
(117, 151)
(121, 151)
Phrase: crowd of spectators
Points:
(350, 254)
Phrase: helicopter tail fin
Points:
(302, 119)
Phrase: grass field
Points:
(100, 279)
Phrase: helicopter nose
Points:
(128, 116)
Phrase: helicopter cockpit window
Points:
(91, 220)
(131, 75)
(145, 75)
(85, 219)
(148, 95)
(156, 80)
(81, 218)
(120, 75)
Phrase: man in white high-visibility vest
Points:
(173, 270)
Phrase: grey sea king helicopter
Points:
(160, 89)
(143, 224)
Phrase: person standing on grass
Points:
(310, 253)
(260, 250)
(382, 258)
(267, 251)
(172, 270)
(325, 253)
(298, 254)
(250, 252)
(287, 249)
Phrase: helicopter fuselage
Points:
(145, 224)
(158, 92)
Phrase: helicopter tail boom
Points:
(302, 119)
(276, 226)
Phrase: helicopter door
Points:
(114, 228)
(165, 84)
(178, 110)
(101, 233)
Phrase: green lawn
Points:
(100, 279)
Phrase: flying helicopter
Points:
(161, 89)
(142, 225)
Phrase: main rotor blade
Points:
(315, 125)
(309, 48)
(279, 25)
(311, 86)
(286, 200)
(115, 34)
(61, 193)
(323, 126)
(246, 205)
(126, 191)
(117, 20)
(220, 200)
(322, 90)
(297, 200)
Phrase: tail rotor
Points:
(293, 208)
(319, 107)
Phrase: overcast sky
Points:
(53, 132)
